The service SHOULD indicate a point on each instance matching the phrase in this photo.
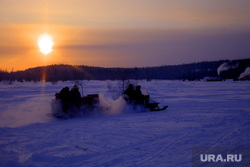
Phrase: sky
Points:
(118, 33)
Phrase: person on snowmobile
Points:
(64, 95)
(139, 97)
(130, 92)
(75, 93)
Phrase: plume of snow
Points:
(245, 73)
(34, 110)
(226, 66)
(110, 106)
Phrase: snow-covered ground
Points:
(200, 114)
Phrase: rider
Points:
(139, 97)
(130, 92)
(64, 95)
(75, 93)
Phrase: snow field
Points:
(200, 114)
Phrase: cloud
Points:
(158, 47)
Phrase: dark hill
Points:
(193, 71)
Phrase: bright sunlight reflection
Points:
(45, 43)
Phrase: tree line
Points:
(62, 72)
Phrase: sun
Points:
(45, 43)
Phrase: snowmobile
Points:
(67, 106)
(147, 102)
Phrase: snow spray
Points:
(118, 106)
(31, 111)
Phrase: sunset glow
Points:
(45, 43)
(118, 33)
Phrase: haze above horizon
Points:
(120, 33)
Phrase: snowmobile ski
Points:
(159, 109)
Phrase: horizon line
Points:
(123, 67)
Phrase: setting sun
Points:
(45, 43)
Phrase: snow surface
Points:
(200, 114)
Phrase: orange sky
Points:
(123, 33)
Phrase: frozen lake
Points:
(200, 114)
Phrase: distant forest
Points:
(195, 71)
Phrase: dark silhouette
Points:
(193, 71)
(130, 92)
(75, 94)
(64, 94)
(68, 103)
(135, 97)
(139, 97)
